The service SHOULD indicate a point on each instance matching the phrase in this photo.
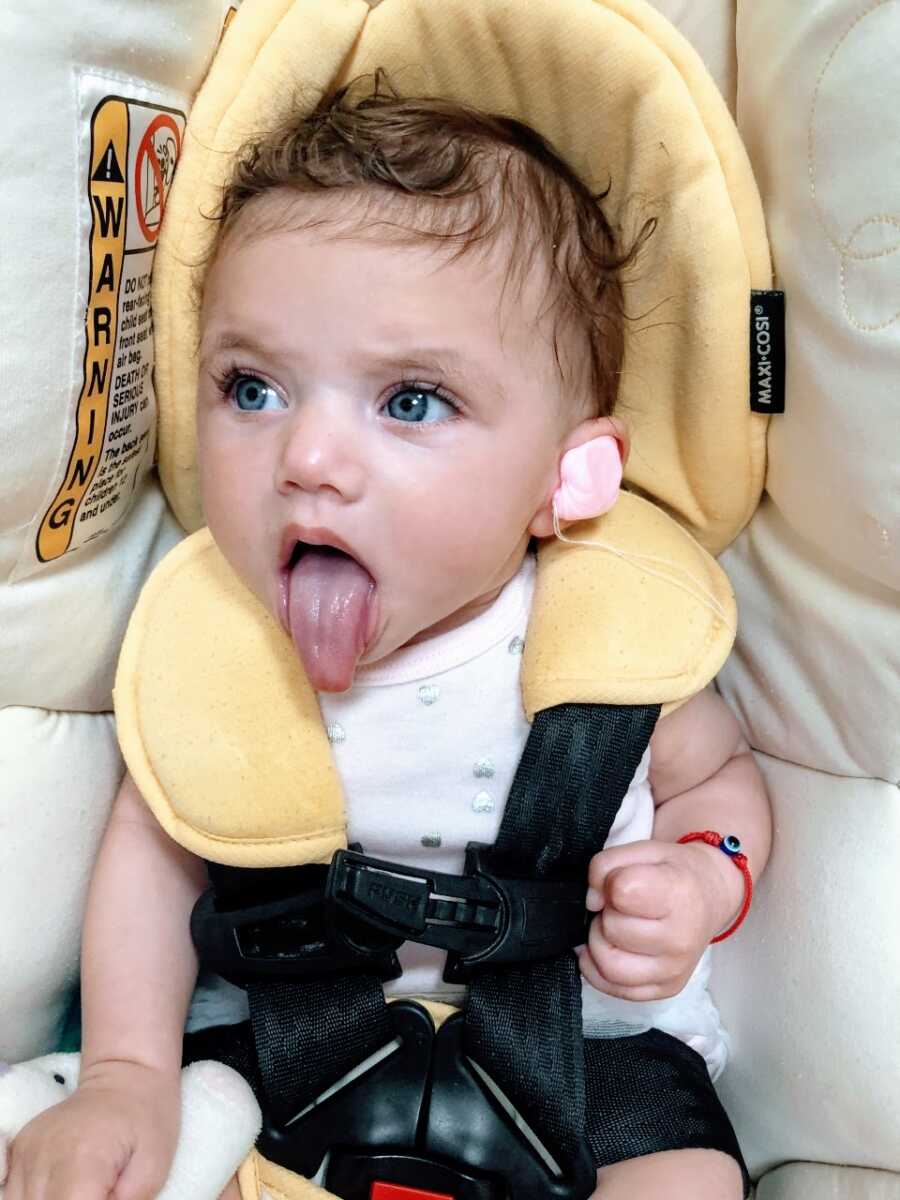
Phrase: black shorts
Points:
(648, 1093)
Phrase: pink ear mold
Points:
(590, 478)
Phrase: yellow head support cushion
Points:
(626, 101)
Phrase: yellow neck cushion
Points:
(221, 729)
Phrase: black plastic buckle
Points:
(356, 916)
(480, 919)
(419, 1115)
(288, 938)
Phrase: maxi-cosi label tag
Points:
(129, 149)
(767, 351)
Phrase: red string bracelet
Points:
(732, 847)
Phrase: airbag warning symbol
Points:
(134, 148)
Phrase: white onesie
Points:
(427, 742)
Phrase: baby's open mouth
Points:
(331, 611)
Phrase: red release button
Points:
(395, 1191)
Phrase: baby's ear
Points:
(589, 473)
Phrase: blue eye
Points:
(254, 395)
(418, 406)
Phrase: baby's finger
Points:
(652, 991)
(639, 935)
(616, 857)
(13, 1189)
(624, 968)
(70, 1181)
(142, 1179)
(642, 890)
(24, 1183)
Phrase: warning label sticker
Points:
(130, 161)
(229, 17)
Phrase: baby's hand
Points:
(658, 906)
(113, 1139)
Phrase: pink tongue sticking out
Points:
(329, 608)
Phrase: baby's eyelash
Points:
(432, 388)
(225, 378)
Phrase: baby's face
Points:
(387, 404)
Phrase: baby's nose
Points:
(322, 453)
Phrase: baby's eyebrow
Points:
(443, 362)
(233, 339)
(423, 362)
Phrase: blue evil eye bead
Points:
(730, 845)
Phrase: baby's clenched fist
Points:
(658, 905)
(112, 1139)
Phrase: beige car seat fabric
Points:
(709, 26)
(810, 991)
(94, 98)
(812, 1181)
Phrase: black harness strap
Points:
(523, 1023)
(307, 1034)
(310, 1034)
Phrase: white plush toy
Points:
(220, 1119)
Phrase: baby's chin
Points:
(393, 639)
(423, 633)
(401, 630)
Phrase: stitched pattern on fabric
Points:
(844, 246)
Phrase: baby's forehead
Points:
(497, 242)
(393, 290)
(504, 264)
(438, 227)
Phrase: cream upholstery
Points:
(61, 621)
(811, 989)
(812, 1181)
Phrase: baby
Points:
(412, 316)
